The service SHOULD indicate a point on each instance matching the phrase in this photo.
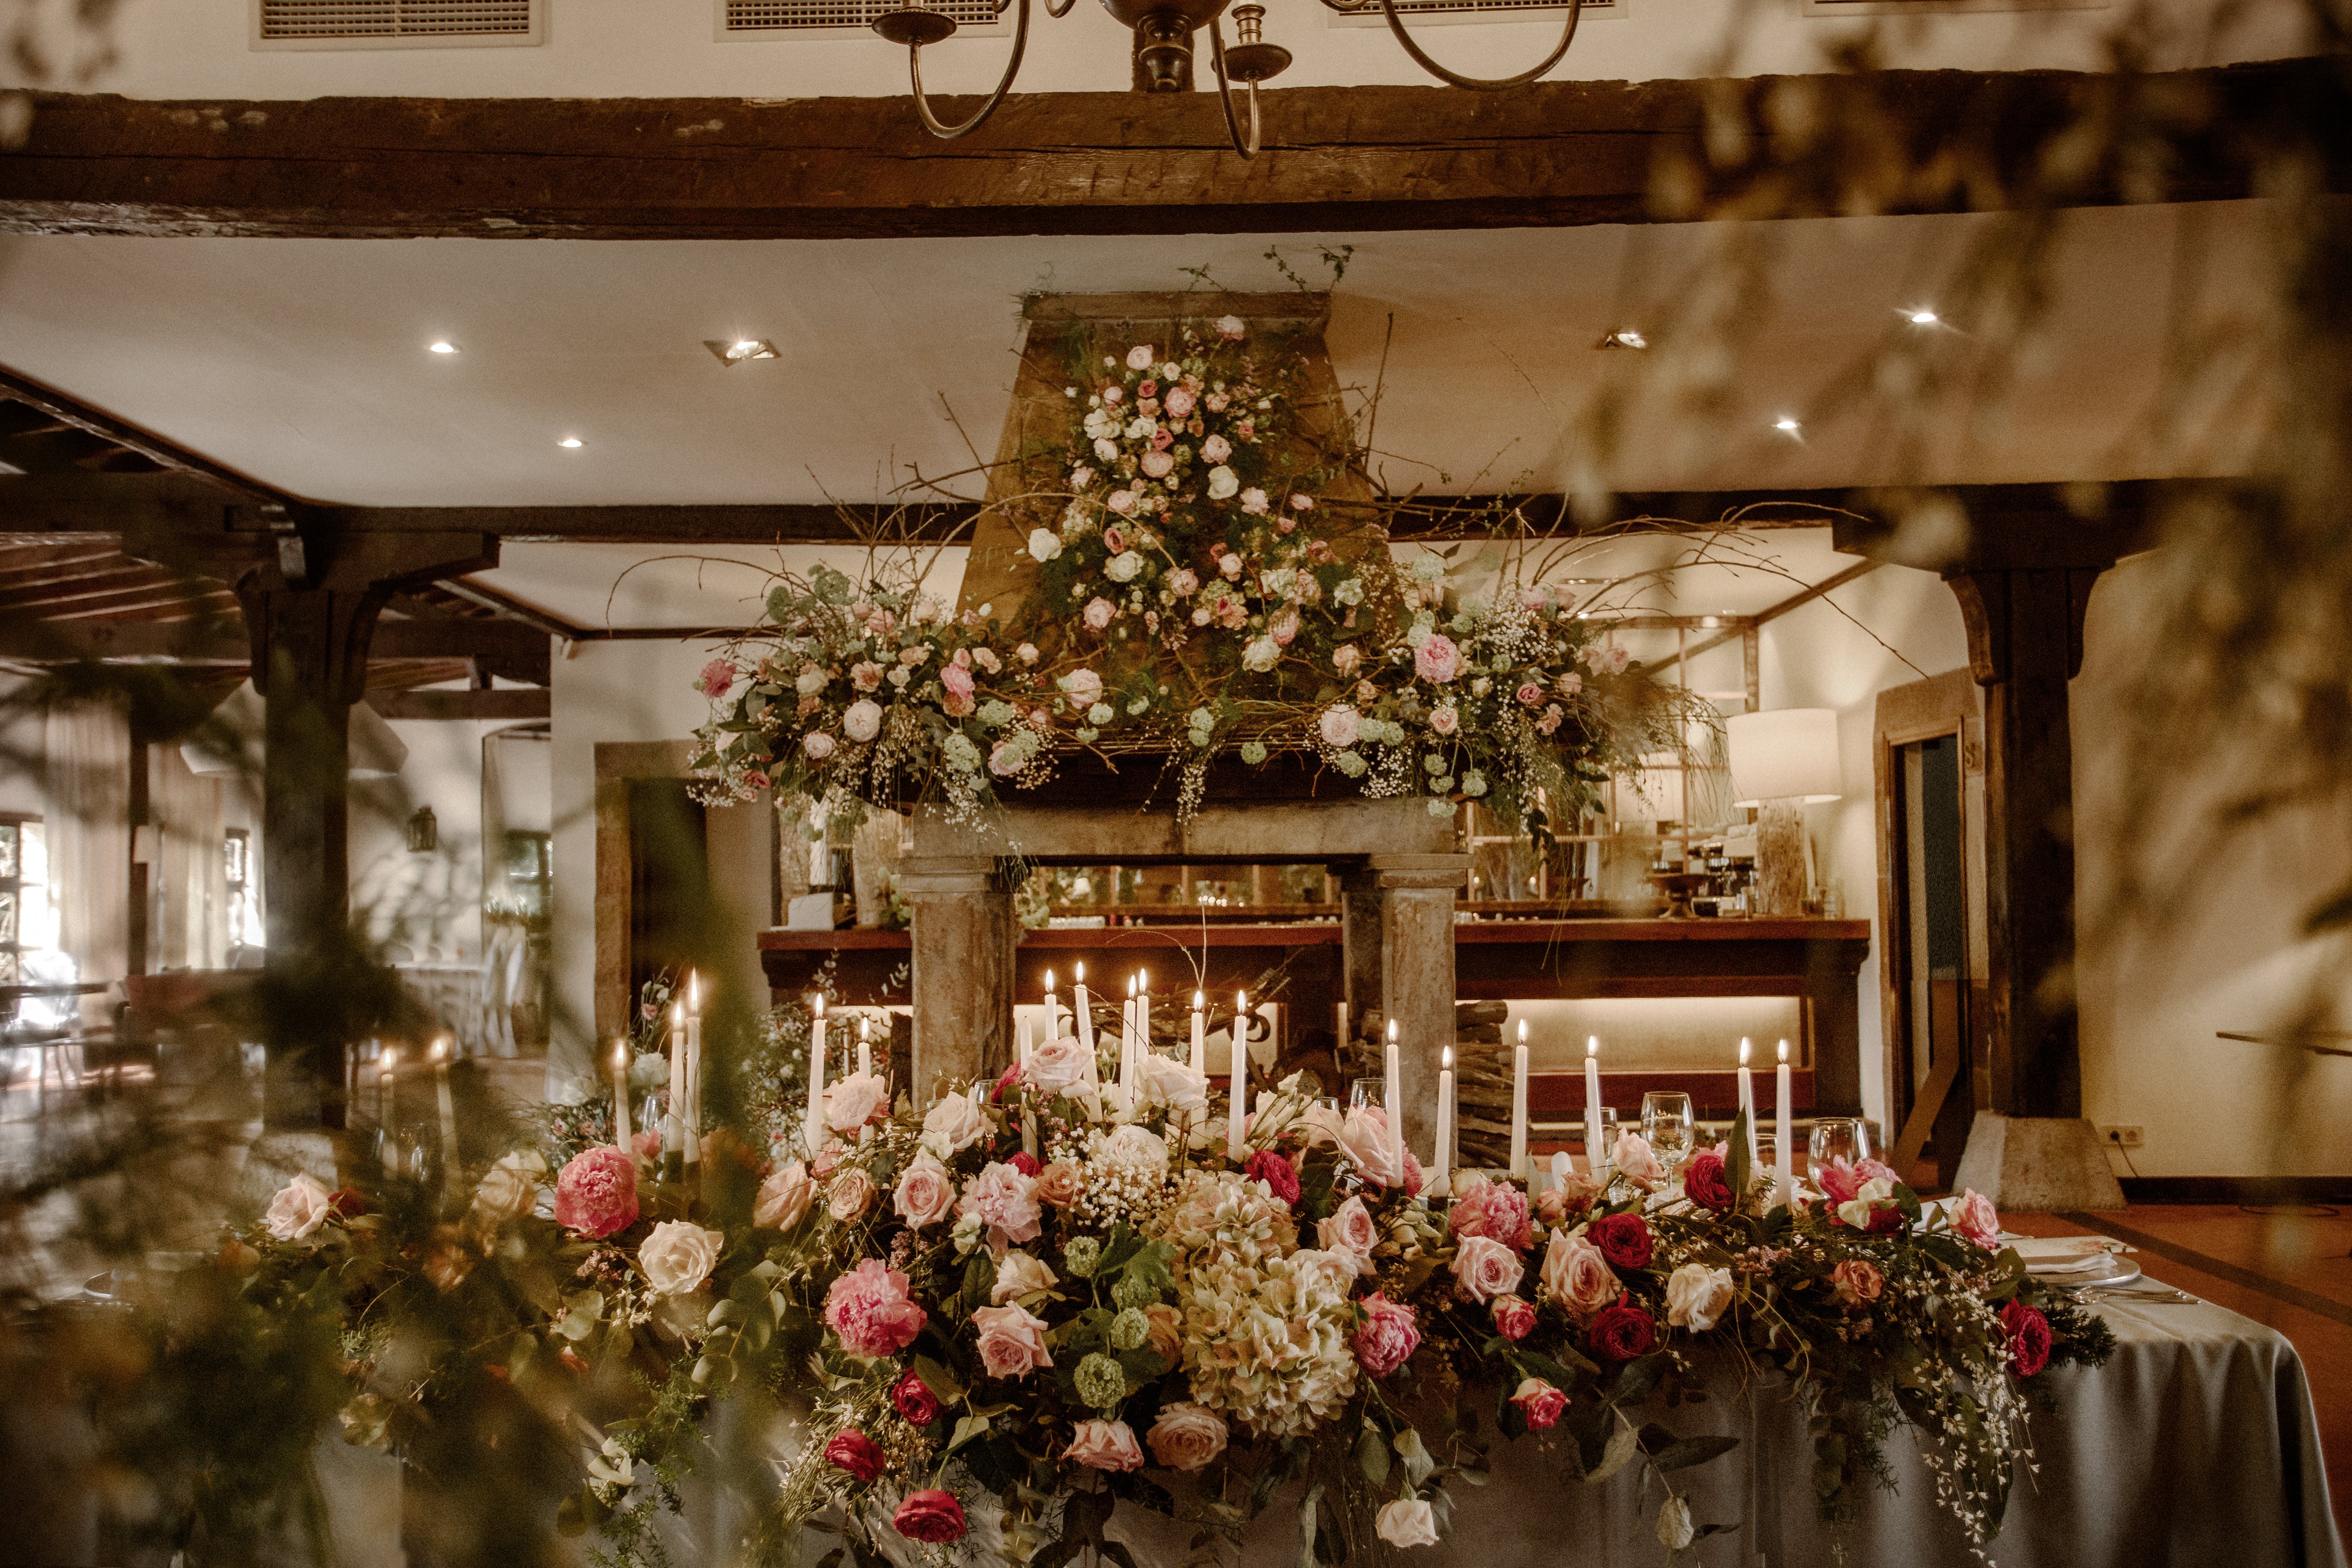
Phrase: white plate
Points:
(2110, 1269)
(2073, 1260)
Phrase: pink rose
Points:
(851, 1195)
(1105, 1445)
(1364, 1138)
(1350, 1230)
(1187, 1436)
(1444, 720)
(865, 676)
(1011, 1341)
(1115, 539)
(596, 1193)
(1530, 693)
(869, 1309)
(933, 1517)
(1111, 394)
(1514, 1318)
(1006, 1202)
(1635, 1159)
(1253, 499)
(1026, 653)
(1486, 1267)
(1437, 659)
(1183, 582)
(817, 744)
(1229, 565)
(1301, 502)
(1497, 1209)
(1539, 1403)
(1246, 429)
(862, 720)
(1162, 440)
(1974, 1218)
(1345, 658)
(1082, 687)
(1231, 328)
(718, 676)
(957, 680)
(1568, 685)
(1140, 356)
(1004, 759)
(1216, 449)
(1097, 613)
(986, 658)
(1389, 1336)
(1339, 725)
(926, 1193)
(853, 1101)
(1284, 630)
(1179, 402)
(1159, 463)
(784, 1197)
(1856, 1281)
(1120, 501)
(1577, 1276)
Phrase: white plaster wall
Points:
(431, 904)
(21, 748)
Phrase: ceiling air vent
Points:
(752, 21)
(1442, 11)
(397, 24)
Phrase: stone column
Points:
(964, 935)
(1416, 895)
(1359, 923)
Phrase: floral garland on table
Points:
(1128, 1315)
(1189, 594)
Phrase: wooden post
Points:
(1416, 896)
(964, 935)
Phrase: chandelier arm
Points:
(1481, 84)
(1057, 11)
(1225, 96)
(931, 123)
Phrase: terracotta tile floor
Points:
(2306, 1255)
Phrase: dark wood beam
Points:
(223, 640)
(67, 411)
(1337, 158)
(534, 703)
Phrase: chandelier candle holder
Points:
(1164, 32)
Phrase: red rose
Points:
(1277, 1171)
(1011, 1075)
(916, 1401)
(2029, 1338)
(1621, 1332)
(1514, 1318)
(855, 1452)
(1026, 1162)
(347, 1203)
(1623, 1239)
(1704, 1183)
(1539, 1403)
(932, 1516)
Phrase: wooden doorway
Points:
(1929, 749)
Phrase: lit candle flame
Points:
(621, 1052)
(1445, 1058)
(693, 990)
(1591, 1044)
(1082, 973)
(1200, 1000)
(817, 1002)
(1392, 1029)
(1784, 1050)
(1523, 1031)
(1743, 1050)
(1049, 982)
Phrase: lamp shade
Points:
(1788, 751)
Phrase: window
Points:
(244, 889)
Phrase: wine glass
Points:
(1666, 1126)
(1371, 1093)
(1844, 1138)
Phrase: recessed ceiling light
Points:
(1923, 318)
(1787, 425)
(1624, 338)
(443, 347)
(735, 351)
(569, 441)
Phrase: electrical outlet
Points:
(2122, 1137)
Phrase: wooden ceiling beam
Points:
(1337, 158)
(222, 641)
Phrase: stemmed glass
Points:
(1666, 1126)
(1844, 1138)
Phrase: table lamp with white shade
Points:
(1783, 762)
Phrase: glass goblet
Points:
(1667, 1125)
(1844, 1138)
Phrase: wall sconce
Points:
(424, 832)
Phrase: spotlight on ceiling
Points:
(569, 441)
(1625, 338)
(735, 351)
(1787, 425)
(1923, 317)
(443, 346)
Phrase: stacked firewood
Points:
(1482, 1080)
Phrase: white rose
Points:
(1136, 1147)
(811, 681)
(1408, 1523)
(1261, 654)
(954, 1124)
(509, 1189)
(1044, 544)
(1107, 449)
(1697, 1297)
(862, 720)
(1124, 567)
(853, 1101)
(299, 1207)
(1170, 1082)
(1223, 484)
(1140, 356)
(1018, 1275)
(1187, 1436)
(676, 1258)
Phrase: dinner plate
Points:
(2073, 1260)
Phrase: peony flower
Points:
(1187, 1436)
(1407, 1522)
(1841, 1181)
(1437, 659)
(1060, 1066)
(1497, 1209)
(913, 1399)
(1222, 483)
(1140, 356)
(677, 1257)
(856, 1453)
(1350, 1230)
(1973, 1216)
(1705, 1183)
(595, 1193)
(1231, 328)
(1183, 582)
(302, 1205)
(1856, 1281)
(853, 1101)
(817, 744)
(862, 720)
(1514, 1317)
(784, 1197)
(1159, 464)
(1539, 1403)
(1006, 1202)
(926, 1193)
(1216, 449)
(932, 1517)
(2029, 1338)
(1620, 1332)
(1179, 402)
(1623, 1238)
(1011, 1341)
(1635, 1160)
(1280, 1176)
(1253, 502)
(1017, 1275)
(1697, 1297)
(1389, 1335)
(1486, 1267)
(1577, 1276)
(1339, 725)
(1043, 544)
(718, 676)
(851, 1194)
(1105, 1445)
(953, 1124)
(1097, 613)
(865, 675)
(869, 1309)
